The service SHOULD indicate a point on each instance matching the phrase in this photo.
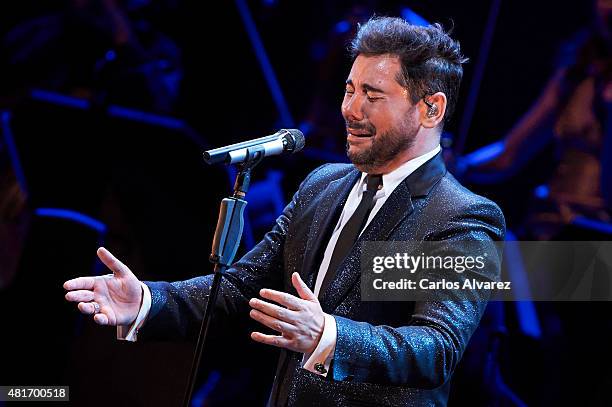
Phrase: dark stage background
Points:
(106, 107)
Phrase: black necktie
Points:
(350, 232)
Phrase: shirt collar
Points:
(395, 177)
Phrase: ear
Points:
(432, 109)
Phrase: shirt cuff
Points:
(320, 359)
(130, 333)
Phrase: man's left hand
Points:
(300, 321)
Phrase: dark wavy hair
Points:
(431, 60)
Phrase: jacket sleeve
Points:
(424, 353)
(177, 307)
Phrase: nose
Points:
(352, 107)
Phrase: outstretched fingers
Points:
(273, 340)
(80, 283)
(114, 264)
(80, 295)
(272, 323)
(302, 289)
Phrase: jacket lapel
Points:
(395, 209)
(323, 223)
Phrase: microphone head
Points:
(295, 140)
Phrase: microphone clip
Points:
(253, 156)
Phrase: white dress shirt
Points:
(324, 351)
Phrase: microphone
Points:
(284, 140)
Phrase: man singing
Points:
(303, 279)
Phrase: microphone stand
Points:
(225, 244)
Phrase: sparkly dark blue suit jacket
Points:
(387, 353)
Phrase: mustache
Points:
(368, 127)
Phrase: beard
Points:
(385, 146)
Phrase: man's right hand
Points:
(112, 299)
